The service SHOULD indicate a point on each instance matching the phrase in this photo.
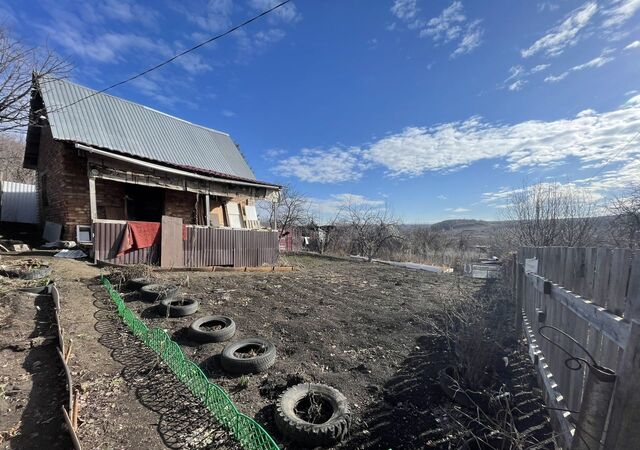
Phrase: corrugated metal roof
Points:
(116, 124)
(19, 202)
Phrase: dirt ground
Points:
(369, 330)
(363, 328)
(31, 382)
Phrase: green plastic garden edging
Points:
(246, 430)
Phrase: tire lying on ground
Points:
(155, 292)
(137, 283)
(198, 329)
(313, 414)
(178, 307)
(248, 356)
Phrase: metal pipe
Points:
(594, 408)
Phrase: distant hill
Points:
(463, 225)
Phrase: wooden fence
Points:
(592, 294)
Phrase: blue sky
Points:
(438, 109)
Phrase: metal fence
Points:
(19, 203)
(203, 247)
(584, 303)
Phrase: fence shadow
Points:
(184, 422)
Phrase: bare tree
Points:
(371, 229)
(626, 222)
(11, 154)
(550, 214)
(20, 66)
(292, 209)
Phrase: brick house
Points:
(105, 161)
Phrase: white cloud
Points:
(564, 34)
(540, 68)
(517, 85)
(604, 58)
(634, 44)
(590, 139)
(547, 6)
(620, 12)
(287, 13)
(324, 166)
(587, 113)
(327, 208)
(405, 9)
(448, 25)
(228, 113)
(441, 197)
(451, 25)
(471, 39)
(556, 78)
(457, 210)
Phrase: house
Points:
(120, 168)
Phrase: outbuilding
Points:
(152, 188)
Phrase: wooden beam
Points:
(208, 209)
(92, 198)
(614, 327)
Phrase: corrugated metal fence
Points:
(19, 202)
(204, 247)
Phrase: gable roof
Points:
(118, 125)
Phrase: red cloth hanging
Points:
(139, 235)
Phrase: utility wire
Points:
(611, 158)
(173, 58)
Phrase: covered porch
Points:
(201, 220)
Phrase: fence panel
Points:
(585, 292)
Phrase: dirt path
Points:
(32, 388)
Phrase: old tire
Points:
(200, 334)
(237, 365)
(178, 307)
(137, 283)
(155, 292)
(329, 432)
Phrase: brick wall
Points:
(180, 204)
(62, 179)
(110, 199)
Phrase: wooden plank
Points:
(519, 298)
(624, 432)
(171, 246)
(632, 307)
(553, 398)
(604, 321)
(93, 205)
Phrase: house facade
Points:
(108, 163)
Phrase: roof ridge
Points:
(97, 93)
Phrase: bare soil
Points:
(32, 389)
(369, 330)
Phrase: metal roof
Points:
(112, 123)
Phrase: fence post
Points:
(519, 280)
(624, 432)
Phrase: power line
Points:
(611, 158)
(173, 58)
